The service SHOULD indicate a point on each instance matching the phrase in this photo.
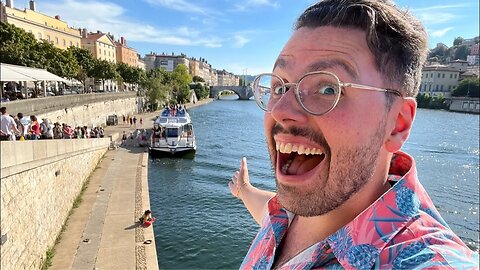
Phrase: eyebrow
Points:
(320, 65)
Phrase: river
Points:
(200, 225)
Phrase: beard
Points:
(352, 169)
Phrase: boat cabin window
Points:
(172, 132)
(163, 120)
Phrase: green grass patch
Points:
(48, 258)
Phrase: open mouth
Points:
(297, 159)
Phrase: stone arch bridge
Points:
(243, 92)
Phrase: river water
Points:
(200, 225)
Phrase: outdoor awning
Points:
(20, 73)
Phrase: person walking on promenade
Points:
(124, 119)
(131, 121)
(34, 129)
(135, 120)
(141, 121)
(346, 196)
(8, 128)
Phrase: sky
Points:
(240, 36)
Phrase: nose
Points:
(288, 109)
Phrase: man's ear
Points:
(403, 125)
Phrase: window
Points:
(449, 87)
(64, 43)
(71, 43)
(100, 51)
(48, 38)
(451, 75)
(465, 104)
(104, 52)
(430, 87)
(441, 87)
(436, 87)
(56, 40)
(39, 35)
(438, 75)
(455, 76)
(443, 75)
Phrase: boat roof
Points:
(180, 118)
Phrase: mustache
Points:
(302, 132)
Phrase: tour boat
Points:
(172, 134)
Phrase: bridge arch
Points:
(243, 92)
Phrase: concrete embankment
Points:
(39, 183)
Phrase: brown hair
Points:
(396, 39)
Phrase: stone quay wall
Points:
(78, 110)
(39, 183)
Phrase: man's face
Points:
(321, 161)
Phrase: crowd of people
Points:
(14, 128)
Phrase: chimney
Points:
(99, 32)
(10, 3)
(57, 17)
(123, 41)
(84, 32)
(32, 5)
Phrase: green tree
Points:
(155, 91)
(457, 41)
(103, 70)
(197, 78)
(18, 47)
(467, 88)
(462, 52)
(181, 75)
(85, 60)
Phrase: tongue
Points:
(302, 164)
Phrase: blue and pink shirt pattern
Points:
(401, 230)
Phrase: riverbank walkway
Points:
(104, 231)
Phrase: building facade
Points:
(102, 46)
(226, 78)
(439, 80)
(125, 54)
(43, 27)
(165, 61)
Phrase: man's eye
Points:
(277, 90)
(327, 90)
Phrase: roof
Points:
(14, 73)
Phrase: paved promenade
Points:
(104, 232)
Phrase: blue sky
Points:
(240, 36)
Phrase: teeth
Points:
(288, 148)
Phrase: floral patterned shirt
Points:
(400, 230)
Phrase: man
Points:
(8, 128)
(339, 106)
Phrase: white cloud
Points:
(441, 32)
(110, 17)
(438, 14)
(250, 4)
(239, 41)
(181, 5)
(439, 7)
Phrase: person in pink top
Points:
(34, 128)
(339, 104)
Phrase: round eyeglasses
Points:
(317, 92)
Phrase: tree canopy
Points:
(467, 88)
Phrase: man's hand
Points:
(240, 180)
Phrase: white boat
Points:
(172, 134)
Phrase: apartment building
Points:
(226, 78)
(101, 45)
(125, 54)
(168, 62)
(43, 27)
(439, 80)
